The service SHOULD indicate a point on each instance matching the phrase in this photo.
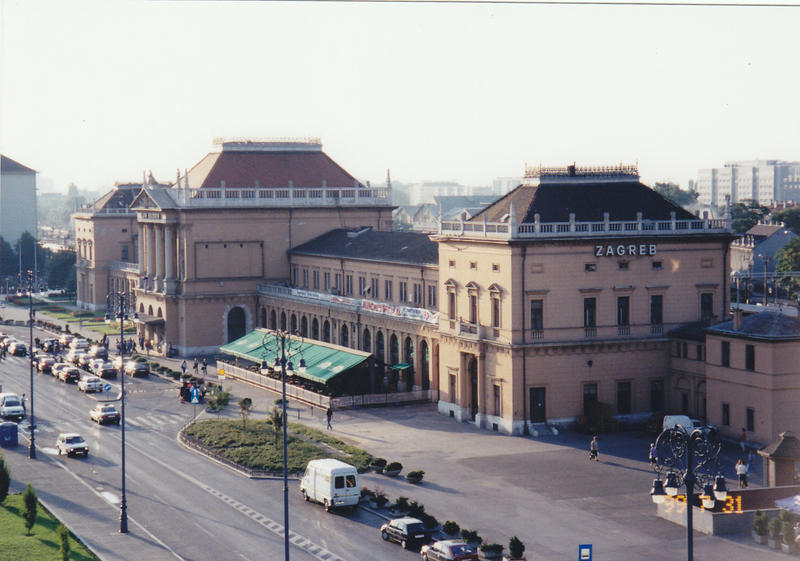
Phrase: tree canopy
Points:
(788, 259)
(789, 216)
(746, 215)
(674, 193)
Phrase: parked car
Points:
(71, 444)
(104, 413)
(448, 550)
(79, 345)
(83, 361)
(72, 356)
(133, 368)
(106, 371)
(58, 366)
(45, 363)
(406, 531)
(18, 348)
(70, 374)
(98, 351)
(11, 407)
(65, 340)
(89, 384)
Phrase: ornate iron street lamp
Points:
(31, 317)
(120, 302)
(691, 457)
(284, 345)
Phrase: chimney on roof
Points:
(737, 318)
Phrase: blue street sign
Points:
(195, 395)
(107, 388)
(585, 552)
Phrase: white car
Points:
(90, 384)
(79, 345)
(71, 444)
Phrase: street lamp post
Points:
(31, 316)
(693, 458)
(119, 301)
(283, 345)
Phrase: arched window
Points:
(304, 326)
(293, 323)
(263, 317)
(236, 323)
(326, 331)
(159, 314)
(283, 321)
(315, 329)
(408, 355)
(380, 347)
(273, 321)
(425, 364)
(394, 350)
(367, 345)
(344, 340)
(149, 310)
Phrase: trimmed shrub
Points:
(367, 492)
(428, 520)
(393, 467)
(378, 462)
(775, 528)
(415, 476)
(788, 533)
(516, 548)
(495, 548)
(380, 498)
(63, 538)
(416, 509)
(471, 536)
(451, 528)
(29, 511)
(760, 523)
(401, 504)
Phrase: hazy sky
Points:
(96, 92)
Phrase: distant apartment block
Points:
(764, 181)
(17, 200)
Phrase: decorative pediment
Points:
(450, 283)
(471, 285)
(494, 288)
(144, 200)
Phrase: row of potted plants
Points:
(406, 507)
(393, 469)
(776, 532)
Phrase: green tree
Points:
(790, 217)
(276, 418)
(8, 259)
(746, 215)
(788, 259)
(245, 408)
(674, 193)
(63, 539)
(29, 511)
(61, 270)
(5, 479)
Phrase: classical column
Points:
(159, 257)
(151, 254)
(481, 416)
(169, 254)
(140, 256)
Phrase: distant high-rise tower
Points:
(763, 181)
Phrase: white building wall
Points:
(17, 205)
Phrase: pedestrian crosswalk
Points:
(155, 421)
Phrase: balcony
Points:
(470, 330)
(289, 196)
(657, 330)
(127, 266)
(590, 331)
(624, 330)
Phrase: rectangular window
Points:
(315, 279)
(589, 398)
(348, 284)
(623, 265)
(750, 357)
(338, 482)
(124, 252)
(387, 292)
(451, 305)
(537, 315)
(657, 266)
(706, 306)
(726, 353)
(327, 280)
(338, 284)
(375, 287)
(403, 292)
(497, 410)
(305, 278)
(495, 267)
(473, 265)
(590, 312)
(495, 312)
(656, 309)
(623, 398)
(451, 263)
(295, 275)
(432, 296)
(623, 310)
(685, 350)
(699, 351)
(589, 267)
(473, 308)
(453, 388)
(657, 395)
(751, 419)
(726, 414)
(417, 294)
(362, 285)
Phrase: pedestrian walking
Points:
(653, 454)
(183, 367)
(195, 366)
(205, 366)
(594, 449)
(741, 472)
(329, 414)
(24, 408)
(743, 440)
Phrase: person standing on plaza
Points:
(594, 449)
(741, 473)
(184, 367)
(743, 440)
(205, 366)
(653, 455)
(329, 414)
(195, 366)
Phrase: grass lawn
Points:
(256, 447)
(42, 544)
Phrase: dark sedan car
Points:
(406, 531)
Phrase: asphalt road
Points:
(180, 504)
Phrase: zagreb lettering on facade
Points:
(619, 250)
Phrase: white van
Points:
(11, 406)
(330, 482)
(673, 421)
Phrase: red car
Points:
(449, 550)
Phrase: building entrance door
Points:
(473, 386)
(236, 323)
(538, 411)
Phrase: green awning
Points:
(323, 360)
(401, 366)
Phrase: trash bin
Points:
(8, 435)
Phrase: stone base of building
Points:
(454, 410)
